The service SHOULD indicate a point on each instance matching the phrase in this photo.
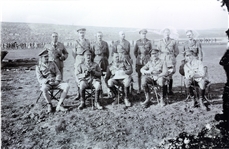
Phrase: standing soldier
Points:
(101, 52)
(57, 52)
(193, 45)
(81, 45)
(169, 50)
(122, 47)
(142, 50)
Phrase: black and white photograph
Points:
(114, 74)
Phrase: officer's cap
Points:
(81, 30)
(43, 53)
(87, 52)
(143, 31)
(154, 51)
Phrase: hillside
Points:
(31, 32)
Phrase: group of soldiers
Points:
(154, 65)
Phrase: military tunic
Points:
(123, 48)
(194, 46)
(142, 53)
(113, 68)
(57, 53)
(101, 54)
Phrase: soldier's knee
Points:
(97, 85)
(44, 88)
(161, 81)
(83, 85)
(110, 82)
(66, 86)
(127, 81)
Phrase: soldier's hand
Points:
(62, 58)
(146, 72)
(51, 83)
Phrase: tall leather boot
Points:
(115, 92)
(82, 99)
(126, 100)
(147, 100)
(97, 105)
(170, 87)
(193, 98)
(202, 96)
(163, 98)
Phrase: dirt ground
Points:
(25, 123)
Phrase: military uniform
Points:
(88, 75)
(101, 54)
(123, 48)
(47, 74)
(57, 54)
(194, 46)
(169, 51)
(156, 70)
(142, 53)
(195, 75)
(124, 78)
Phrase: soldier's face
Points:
(166, 33)
(189, 35)
(154, 55)
(45, 58)
(115, 57)
(99, 36)
(143, 35)
(87, 57)
(81, 34)
(188, 57)
(122, 35)
(54, 38)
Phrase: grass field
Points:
(25, 124)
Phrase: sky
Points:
(155, 14)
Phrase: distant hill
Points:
(32, 32)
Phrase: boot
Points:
(170, 86)
(126, 101)
(202, 94)
(115, 92)
(82, 99)
(192, 97)
(147, 101)
(97, 105)
(163, 98)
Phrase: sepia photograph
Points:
(114, 74)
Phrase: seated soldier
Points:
(49, 77)
(153, 73)
(195, 75)
(119, 72)
(89, 74)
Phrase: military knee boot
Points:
(163, 98)
(82, 99)
(97, 105)
(115, 92)
(170, 87)
(147, 100)
(126, 100)
(202, 97)
(193, 98)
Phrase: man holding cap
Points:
(101, 52)
(119, 73)
(49, 77)
(57, 52)
(122, 46)
(142, 50)
(169, 50)
(89, 74)
(81, 45)
(153, 73)
(195, 75)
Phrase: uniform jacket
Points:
(126, 47)
(193, 67)
(47, 72)
(169, 46)
(126, 67)
(101, 49)
(194, 46)
(83, 67)
(81, 46)
(57, 53)
(142, 51)
(156, 67)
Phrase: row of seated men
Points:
(155, 72)
(90, 65)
